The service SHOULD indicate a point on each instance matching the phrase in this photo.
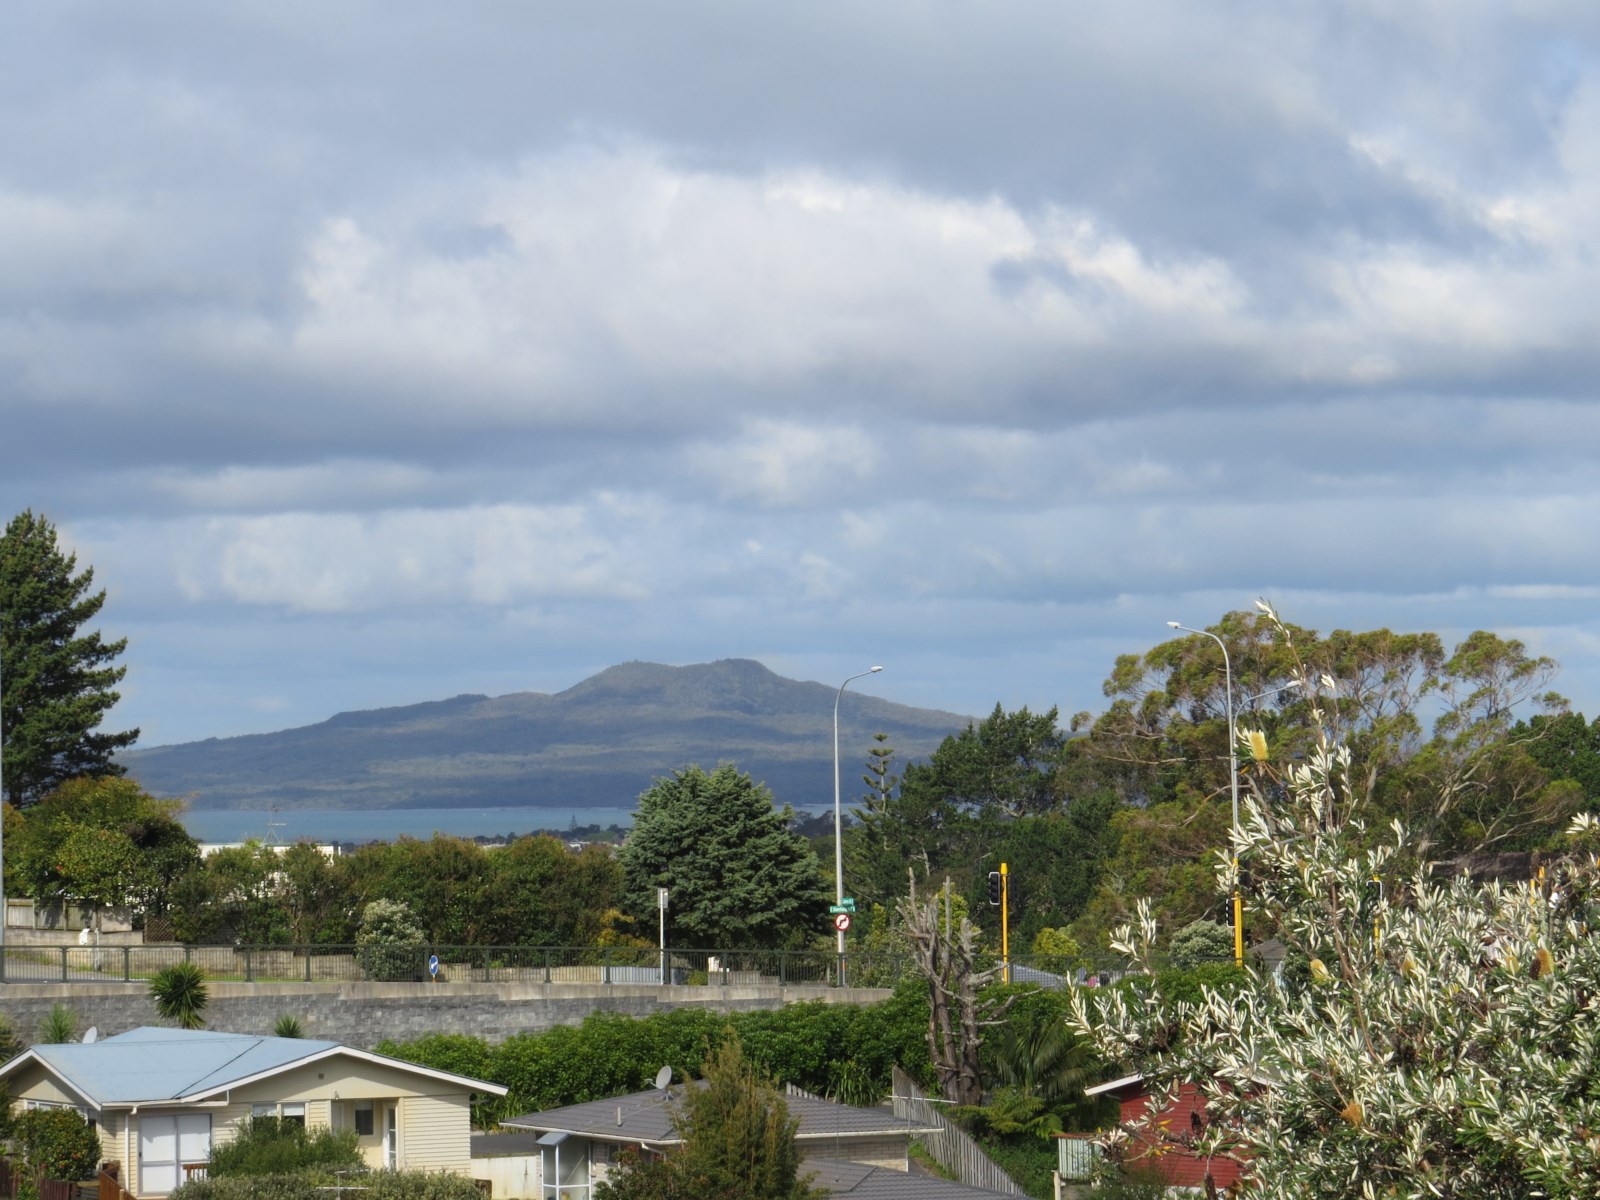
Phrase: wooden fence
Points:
(951, 1147)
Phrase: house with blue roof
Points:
(162, 1098)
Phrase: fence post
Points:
(187, 957)
(127, 965)
(605, 967)
(307, 950)
(783, 963)
(547, 965)
(63, 964)
(486, 964)
(249, 965)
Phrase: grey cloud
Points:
(430, 349)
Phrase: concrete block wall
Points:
(363, 1014)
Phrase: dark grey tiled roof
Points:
(646, 1117)
(497, 1145)
(856, 1181)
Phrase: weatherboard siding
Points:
(436, 1134)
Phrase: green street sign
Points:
(837, 908)
(849, 903)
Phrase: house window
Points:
(364, 1125)
(81, 1111)
(287, 1113)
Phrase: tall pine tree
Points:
(56, 680)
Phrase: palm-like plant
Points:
(179, 992)
(288, 1026)
(60, 1025)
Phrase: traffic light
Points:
(994, 888)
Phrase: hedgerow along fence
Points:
(423, 963)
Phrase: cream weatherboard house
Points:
(161, 1098)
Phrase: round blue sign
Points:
(433, 964)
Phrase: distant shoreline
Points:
(360, 825)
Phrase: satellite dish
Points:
(94, 1032)
(663, 1077)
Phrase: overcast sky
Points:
(374, 353)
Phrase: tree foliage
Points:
(533, 891)
(1447, 1034)
(390, 943)
(58, 1143)
(737, 1142)
(57, 681)
(840, 1050)
(1432, 733)
(999, 791)
(737, 876)
(101, 841)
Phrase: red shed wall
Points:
(1179, 1167)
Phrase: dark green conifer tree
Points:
(738, 878)
(56, 681)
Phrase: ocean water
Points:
(387, 824)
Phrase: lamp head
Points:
(874, 670)
(1174, 625)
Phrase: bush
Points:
(270, 1146)
(58, 1143)
(391, 945)
(380, 1185)
(180, 994)
(1200, 942)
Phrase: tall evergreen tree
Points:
(56, 681)
(739, 879)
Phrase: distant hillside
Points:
(596, 745)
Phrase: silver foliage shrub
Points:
(1445, 1041)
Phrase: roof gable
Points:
(184, 1065)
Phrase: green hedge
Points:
(840, 1050)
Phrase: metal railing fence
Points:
(609, 965)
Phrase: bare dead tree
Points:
(948, 960)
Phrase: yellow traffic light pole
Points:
(1005, 920)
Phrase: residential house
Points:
(562, 1153)
(162, 1098)
(1165, 1139)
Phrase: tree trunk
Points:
(955, 1013)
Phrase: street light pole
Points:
(838, 826)
(1233, 788)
